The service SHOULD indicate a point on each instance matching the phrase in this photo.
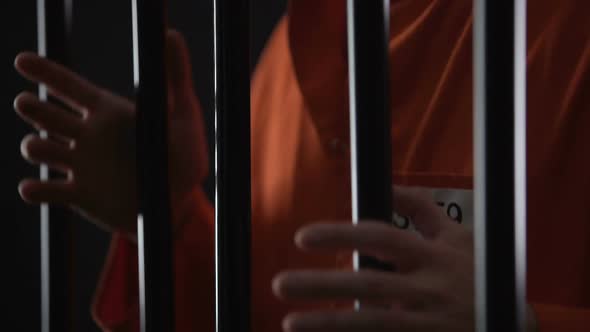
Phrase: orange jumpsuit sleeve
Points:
(554, 318)
(116, 307)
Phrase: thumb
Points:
(178, 65)
(187, 140)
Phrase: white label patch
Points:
(456, 203)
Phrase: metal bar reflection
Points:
(500, 163)
(54, 18)
(370, 119)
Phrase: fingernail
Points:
(15, 103)
(18, 61)
(276, 285)
(21, 59)
(301, 238)
(291, 323)
(307, 239)
(22, 191)
(18, 100)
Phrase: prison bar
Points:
(54, 19)
(232, 165)
(500, 164)
(154, 229)
(370, 118)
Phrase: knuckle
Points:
(98, 98)
(428, 292)
(375, 285)
(458, 238)
(385, 323)
(433, 293)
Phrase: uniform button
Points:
(337, 145)
(334, 143)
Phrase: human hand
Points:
(93, 142)
(431, 290)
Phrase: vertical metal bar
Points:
(54, 18)
(232, 165)
(154, 230)
(370, 118)
(500, 163)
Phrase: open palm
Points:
(92, 141)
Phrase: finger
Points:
(181, 97)
(404, 249)
(58, 192)
(62, 82)
(374, 320)
(179, 65)
(47, 116)
(426, 216)
(346, 285)
(45, 151)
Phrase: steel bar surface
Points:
(154, 230)
(54, 20)
(500, 163)
(370, 119)
(232, 165)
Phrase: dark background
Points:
(101, 51)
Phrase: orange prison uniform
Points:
(300, 161)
